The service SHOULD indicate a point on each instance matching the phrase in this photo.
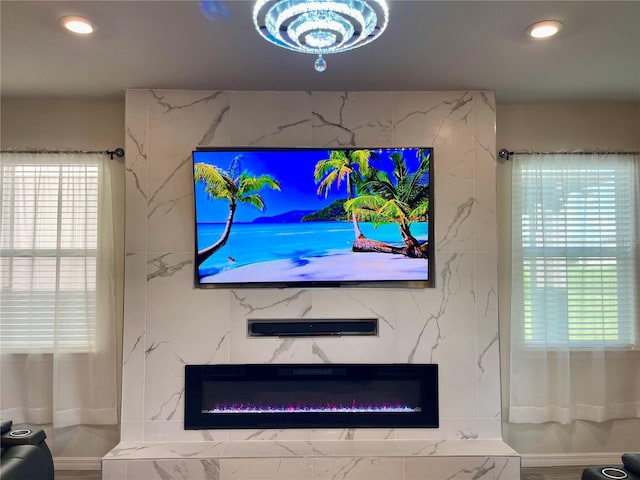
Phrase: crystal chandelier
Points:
(320, 27)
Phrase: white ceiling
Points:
(429, 45)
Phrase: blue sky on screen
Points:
(292, 168)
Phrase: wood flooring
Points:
(78, 475)
(551, 473)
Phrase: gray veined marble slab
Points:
(294, 468)
(271, 119)
(254, 449)
(358, 468)
(139, 451)
(361, 119)
(314, 460)
(437, 448)
(356, 448)
(458, 468)
(322, 448)
(168, 323)
(200, 469)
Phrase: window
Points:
(575, 252)
(48, 245)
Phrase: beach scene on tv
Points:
(283, 216)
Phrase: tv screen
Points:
(313, 217)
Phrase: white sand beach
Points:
(340, 266)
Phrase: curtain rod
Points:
(505, 154)
(118, 152)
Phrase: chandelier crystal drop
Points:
(320, 27)
(320, 64)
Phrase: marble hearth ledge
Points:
(313, 460)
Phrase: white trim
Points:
(527, 460)
(569, 459)
(77, 463)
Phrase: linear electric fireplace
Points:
(311, 396)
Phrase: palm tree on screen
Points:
(401, 198)
(343, 167)
(220, 184)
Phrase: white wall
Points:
(51, 123)
(558, 127)
(569, 126)
(61, 123)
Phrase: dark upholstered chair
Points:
(25, 455)
(629, 470)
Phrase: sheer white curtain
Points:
(575, 283)
(57, 297)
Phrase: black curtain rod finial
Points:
(118, 152)
(504, 154)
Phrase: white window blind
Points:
(574, 250)
(48, 245)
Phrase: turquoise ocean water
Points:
(254, 243)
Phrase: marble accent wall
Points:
(168, 323)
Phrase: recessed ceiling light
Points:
(79, 25)
(545, 29)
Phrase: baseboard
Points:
(570, 459)
(527, 460)
(77, 463)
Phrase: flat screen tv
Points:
(296, 217)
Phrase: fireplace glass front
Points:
(311, 396)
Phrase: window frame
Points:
(629, 338)
(9, 252)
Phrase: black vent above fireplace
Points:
(311, 327)
(311, 396)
